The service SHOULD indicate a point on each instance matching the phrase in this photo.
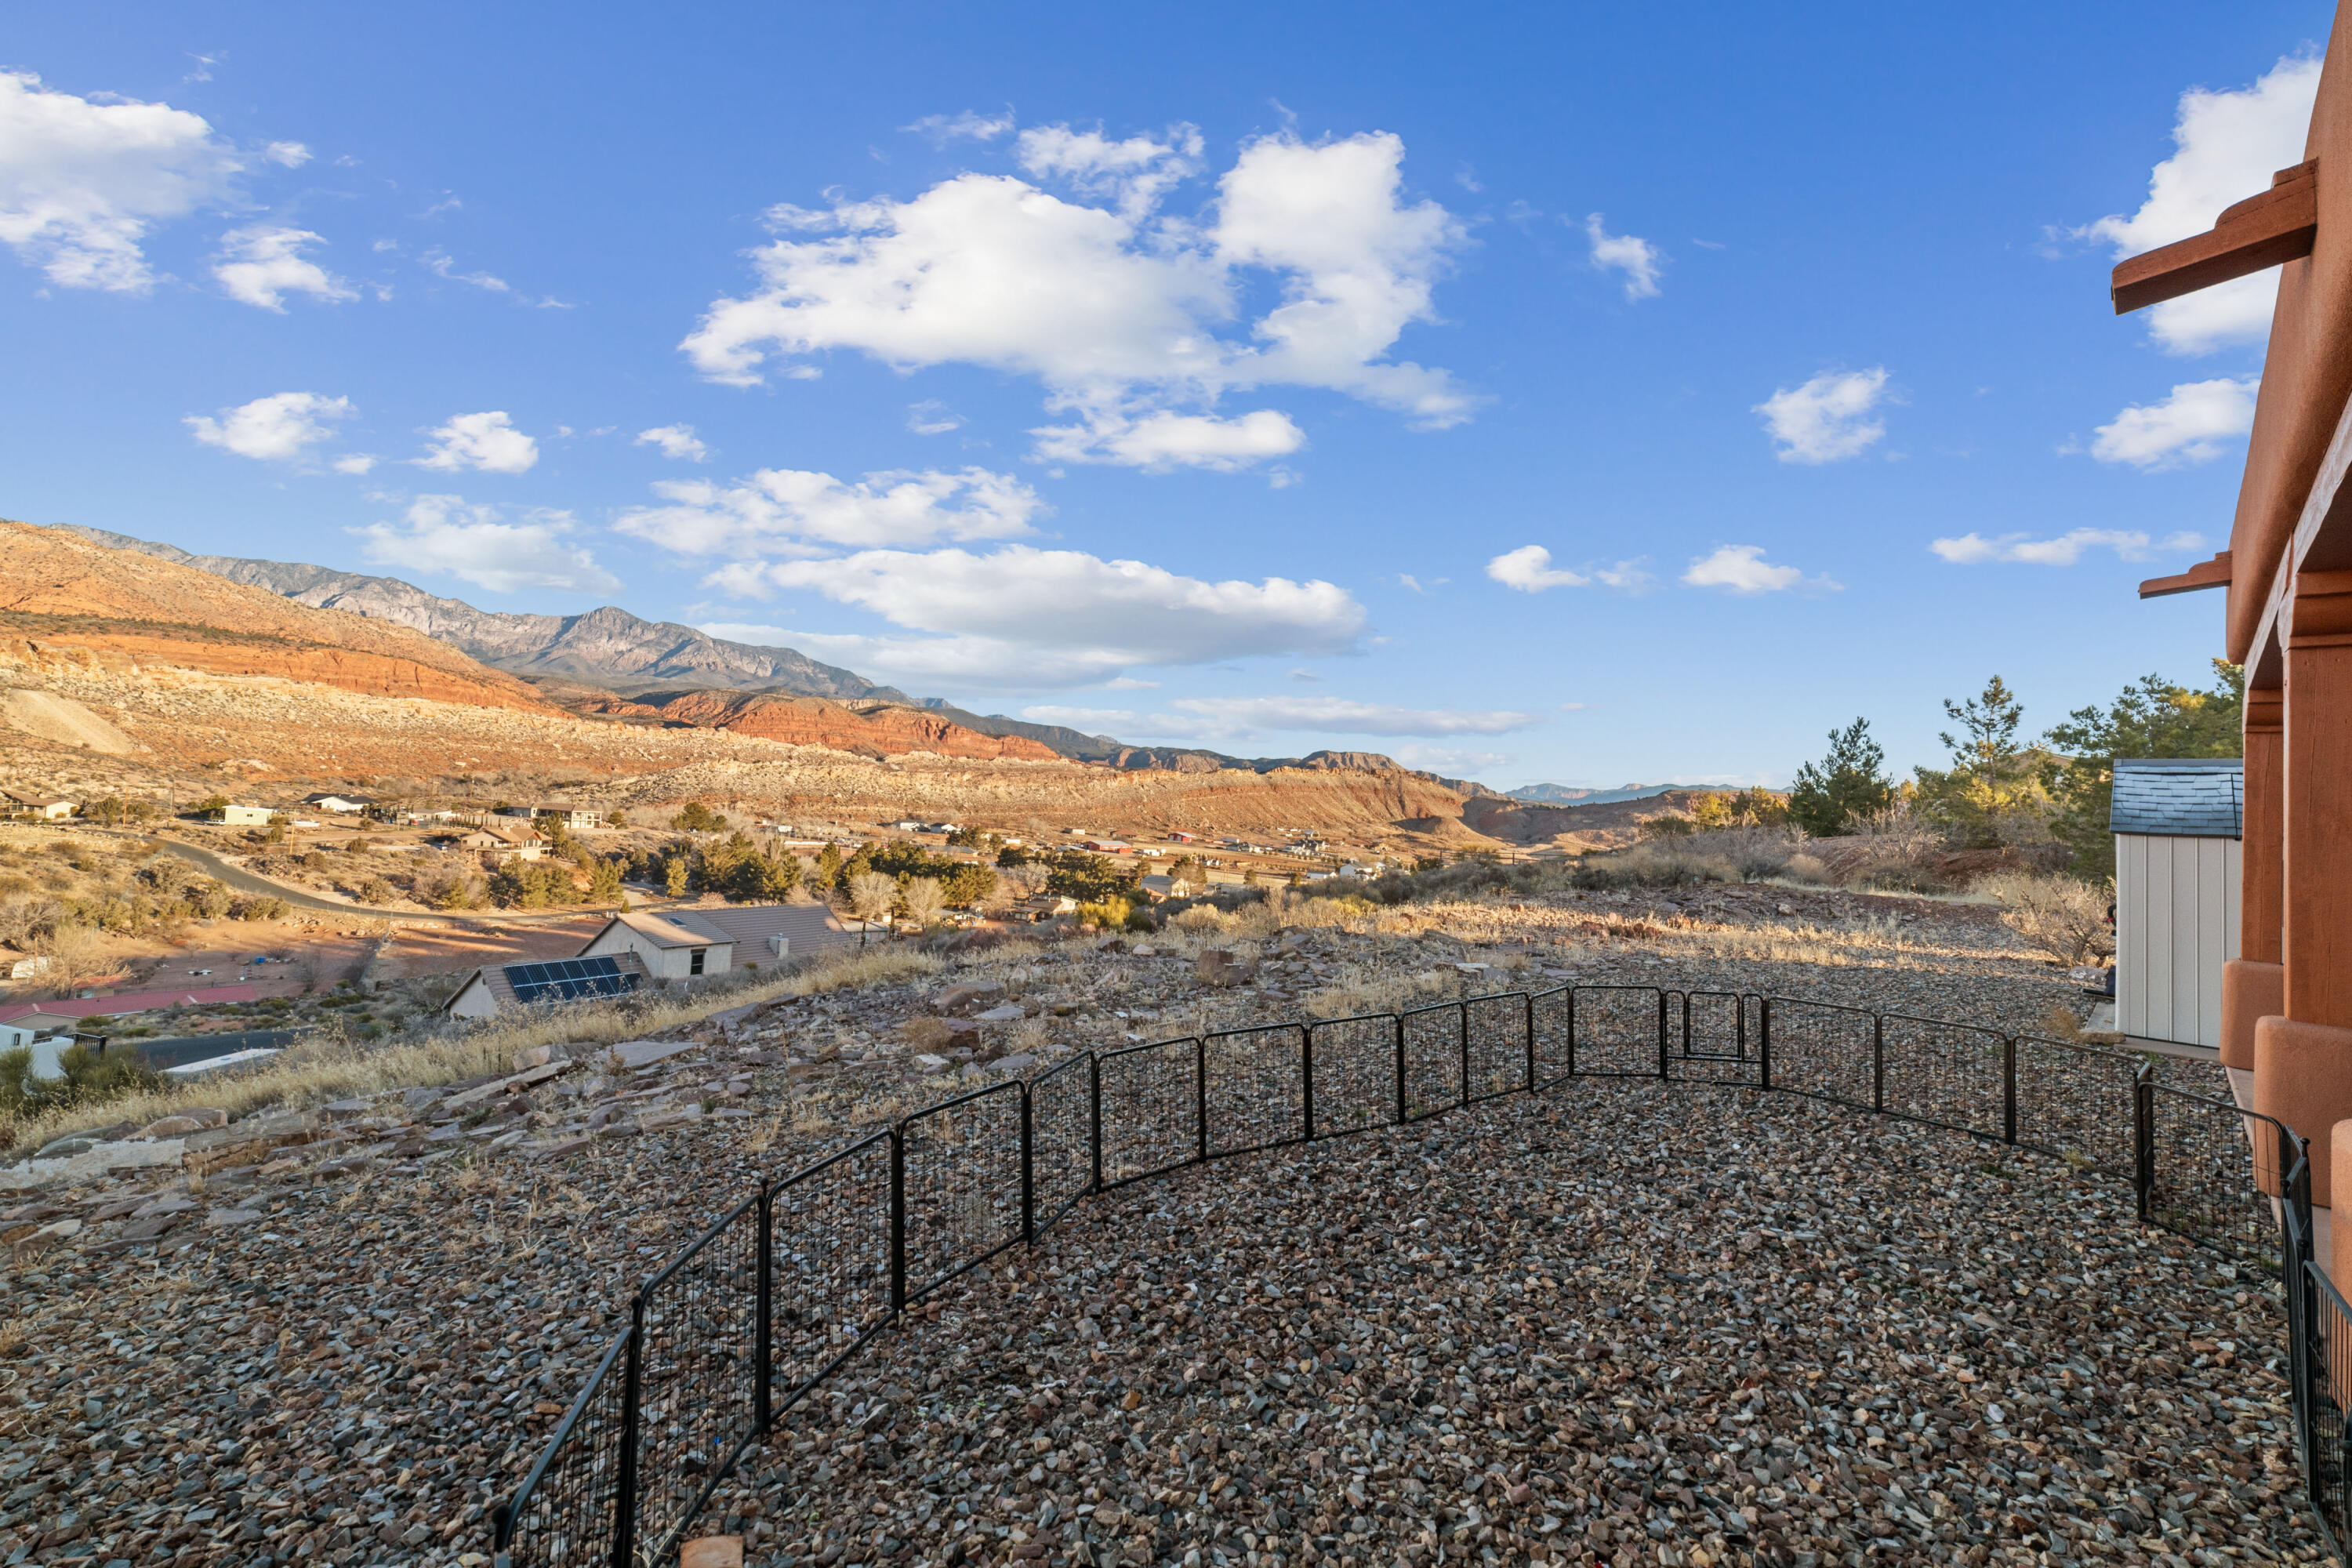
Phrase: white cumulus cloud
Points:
(1827, 418)
(1159, 442)
(932, 418)
(1529, 570)
(443, 534)
(2129, 544)
(2230, 144)
(1019, 618)
(1743, 569)
(1121, 312)
(2187, 428)
(674, 441)
(82, 182)
(277, 428)
(263, 264)
(1638, 260)
(488, 442)
(796, 511)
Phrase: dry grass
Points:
(315, 1072)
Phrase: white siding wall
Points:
(2175, 922)
(661, 963)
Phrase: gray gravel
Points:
(346, 1351)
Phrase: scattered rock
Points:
(959, 1001)
(635, 1053)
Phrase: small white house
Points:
(2178, 823)
(43, 807)
(340, 803)
(244, 815)
(677, 946)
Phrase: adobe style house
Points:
(2286, 1000)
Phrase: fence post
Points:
(1764, 1042)
(1094, 1109)
(1201, 1098)
(2143, 1139)
(1028, 1174)
(897, 1221)
(1571, 1031)
(2009, 1090)
(1307, 1076)
(1662, 1035)
(624, 1504)
(1877, 1063)
(1527, 1018)
(1462, 1036)
(1398, 1019)
(763, 1347)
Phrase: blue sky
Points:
(1590, 393)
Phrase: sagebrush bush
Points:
(2064, 918)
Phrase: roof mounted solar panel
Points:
(569, 979)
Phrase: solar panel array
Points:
(569, 979)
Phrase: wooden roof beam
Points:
(2213, 573)
(2261, 231)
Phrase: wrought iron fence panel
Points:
(567, 1509)
(1354, 1066)
(1711, 1036)
(1150, 1100)
(1435, 1047)
(1500, 1055)
(697, 1323)
(2075, 1102)
(1619, 1030)
(1822, 1050)
(1062, 1137)
(963, 1183)
(2210, 1172)
(1551, 1017)
(1951, 1075)
(2326, 1396)
(1255, 1087)
(829, 1265)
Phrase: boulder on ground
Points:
(1222, 966)
(635, 1053)
(939, 1035)
(1010, 1013)
(959, 1001)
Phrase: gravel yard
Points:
(1620, 1319)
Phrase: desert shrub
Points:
(90, 1079)
(697, 818)
(1140, 919)
(2064, 918)
(1200, 920)
(374, 890)
(1668, 824)
(1652, 865)
(1110, 913)
(257, 907)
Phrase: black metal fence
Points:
(804, 1273)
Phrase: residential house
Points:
(42, 807)
(497, 987)
(242, 815)
(341, 803)
(1044, 906)
(499, 844)
(572, 818)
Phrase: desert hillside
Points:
(875, 731)
(59, 590)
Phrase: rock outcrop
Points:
(61, 593)
(814, 721)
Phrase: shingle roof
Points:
(2179, 797)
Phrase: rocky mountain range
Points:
(661, 665)
(605, 647)
(1568, 794)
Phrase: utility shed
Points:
(2178, 823)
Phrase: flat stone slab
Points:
(645, 1053)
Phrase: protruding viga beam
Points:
(2261, 231)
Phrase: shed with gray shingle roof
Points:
(2177, 822)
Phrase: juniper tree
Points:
(1850, 782)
